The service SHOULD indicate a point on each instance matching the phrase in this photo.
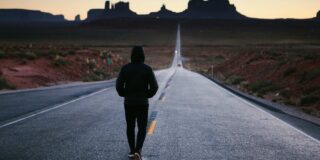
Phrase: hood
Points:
(137, 55)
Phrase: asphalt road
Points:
(19, 103)
(191, 118)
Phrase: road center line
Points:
(161, 98)
(53, 108)
(176, 62)
(152, 127)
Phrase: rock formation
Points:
(164, 13)
(21, 15)
(77, 18)
(217, 9)
(118, 10)
(318, 15)
(212, 9)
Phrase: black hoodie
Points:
(136, 81)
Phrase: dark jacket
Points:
(136, 82)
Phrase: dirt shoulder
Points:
(31, 66)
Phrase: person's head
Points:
(137, 54)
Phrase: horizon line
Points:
(84, 15)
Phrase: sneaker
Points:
(138, 155)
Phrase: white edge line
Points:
(52, 108)
(61, 86)
(287, 124)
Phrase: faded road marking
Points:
(152, 127)
(162, 96)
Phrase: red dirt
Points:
(43, 72)
(265, 68)
(25, 72)
(255, 67)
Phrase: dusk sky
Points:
(251, 8)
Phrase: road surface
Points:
(191, 118)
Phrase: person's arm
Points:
(153, 85)
(120, 84)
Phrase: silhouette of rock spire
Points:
(163, 7)
(107, 5)
(77, 18)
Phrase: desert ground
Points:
(277, 60)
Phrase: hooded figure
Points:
(137, 55)
(136, 83)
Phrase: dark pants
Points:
(137, 114)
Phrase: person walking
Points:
(136, 83)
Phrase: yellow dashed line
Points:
(152, 127)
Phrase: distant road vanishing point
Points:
(191, 118)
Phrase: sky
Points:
(250, 8)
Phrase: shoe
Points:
(138, 155)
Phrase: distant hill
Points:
(318, 15)
(22, 15)
(197, 9)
